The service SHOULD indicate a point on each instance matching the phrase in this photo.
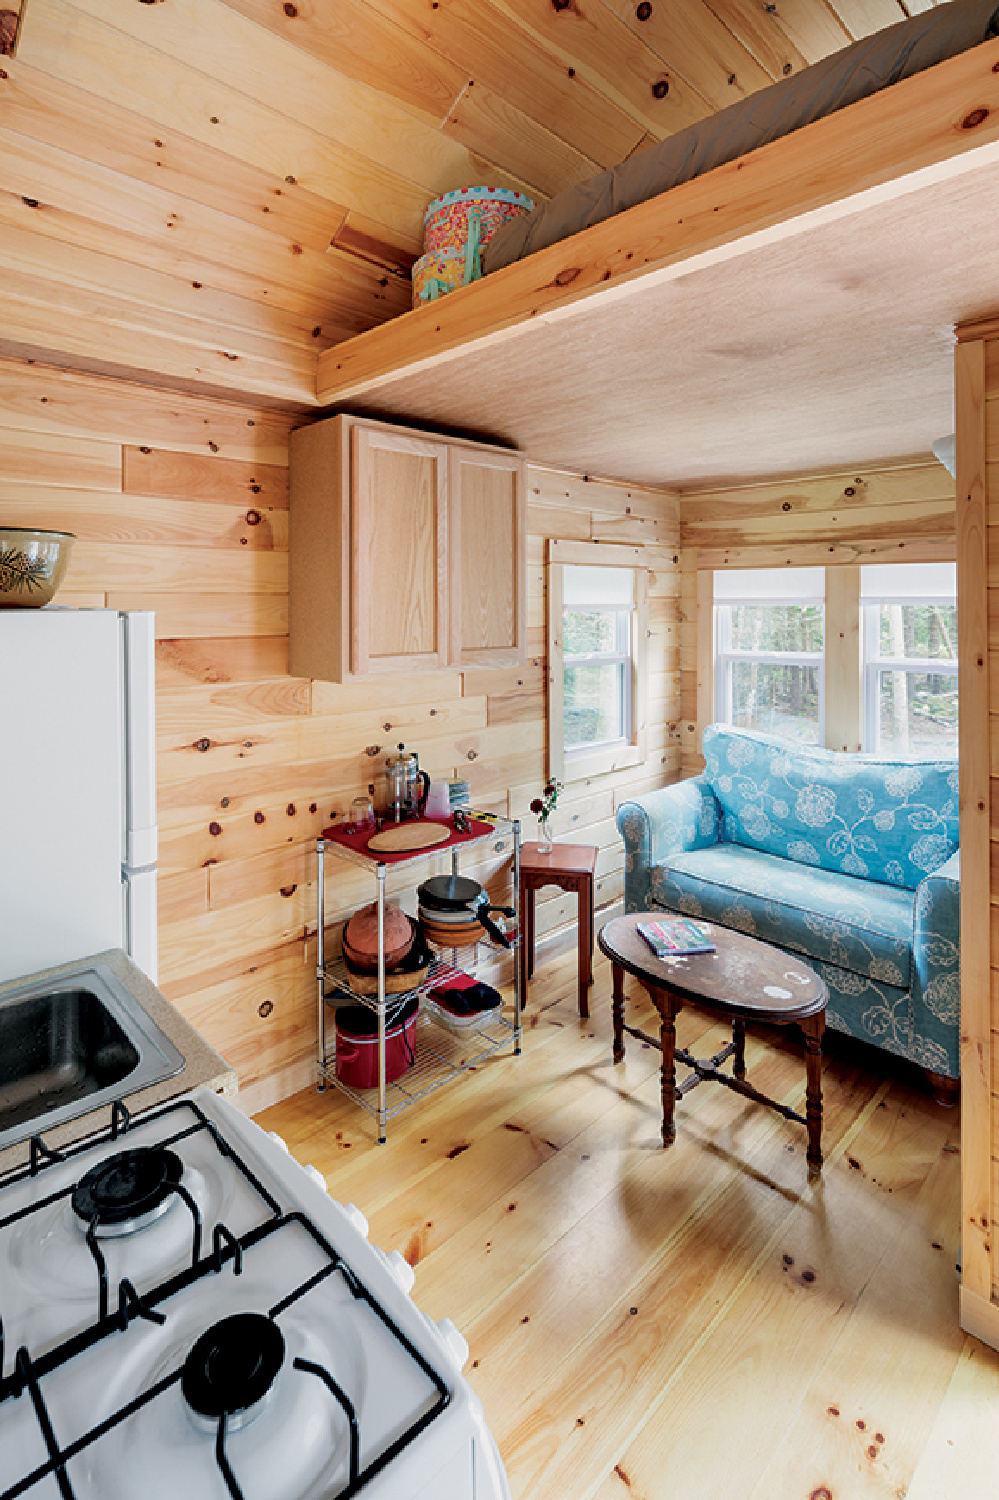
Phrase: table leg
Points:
(522, 953)
(814, 1028)
(669, 1007)
(529, 907)
(618, 1011)
(589, 889)
(739, 1058)
(584, 921)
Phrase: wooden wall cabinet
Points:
(407, 552)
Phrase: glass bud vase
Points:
(546, 838)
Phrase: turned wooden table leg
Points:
(618, 1011)
(584, 924)
(739, 1058)
(814, 1028)
(669, 1007)
(528, 919)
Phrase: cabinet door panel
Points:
(487, 540)
(398, 537)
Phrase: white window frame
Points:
(761, 587)
(594, 760)
(873, 663)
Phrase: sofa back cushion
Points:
(891, 820)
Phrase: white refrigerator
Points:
(78, 838)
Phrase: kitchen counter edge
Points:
(202, 1064)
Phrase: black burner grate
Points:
(232, 1366)
(127, 1188)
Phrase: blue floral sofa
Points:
(850, 860)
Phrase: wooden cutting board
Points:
(404, 836)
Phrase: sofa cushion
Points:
(856, 924)
(886, 820)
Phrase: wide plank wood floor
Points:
(701, 1321)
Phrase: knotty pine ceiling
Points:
(208, 192)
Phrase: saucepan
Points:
(456, 898)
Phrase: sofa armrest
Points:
(668, 821)
(935, 993)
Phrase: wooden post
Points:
(844, 695)
(978, 1313)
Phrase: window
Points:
(910, 658)
(769, 659)
(598, 607)
(597, 620)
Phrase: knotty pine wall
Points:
(898, 513)
(181, 506)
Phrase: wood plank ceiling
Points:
(204, 193)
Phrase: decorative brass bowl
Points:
(32, 564)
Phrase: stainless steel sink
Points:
(71, 1046)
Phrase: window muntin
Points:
(910, 658)
(598, 619)
(770, 636)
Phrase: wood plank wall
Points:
(902, 512)
(181, 506)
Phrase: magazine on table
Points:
(673, 937)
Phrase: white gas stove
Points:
(185, 1311)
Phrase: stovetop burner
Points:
(232, 1367)
(127, 1191)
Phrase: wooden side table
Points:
(571, 868)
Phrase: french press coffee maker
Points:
(407, 787)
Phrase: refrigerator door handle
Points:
(140, 840)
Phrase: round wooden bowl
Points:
(453, 934)
(367, 963)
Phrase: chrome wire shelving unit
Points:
(441, 1054)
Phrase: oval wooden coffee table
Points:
(743, 980)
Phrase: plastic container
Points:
(458, 1025)
(357, 1044)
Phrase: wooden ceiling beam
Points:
(928, 121)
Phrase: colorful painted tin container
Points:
(456, 226)
(441, 272)
(448, 221)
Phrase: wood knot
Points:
(643, 11)
(288, 890)
(786, 505)
(566, 277)
(258, 817)
(30, 202)
(253, 518)
(291, 809)
(215, 829)
(372, 750)
(660, 88)
(974, 119)
(291, 11)
(264, 1008)
(203, 744)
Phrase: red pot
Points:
(357, 1044)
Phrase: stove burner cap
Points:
(233, 1365)
(129, 1186)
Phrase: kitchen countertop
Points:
(202, 1064)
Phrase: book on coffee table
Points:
(674, 937)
